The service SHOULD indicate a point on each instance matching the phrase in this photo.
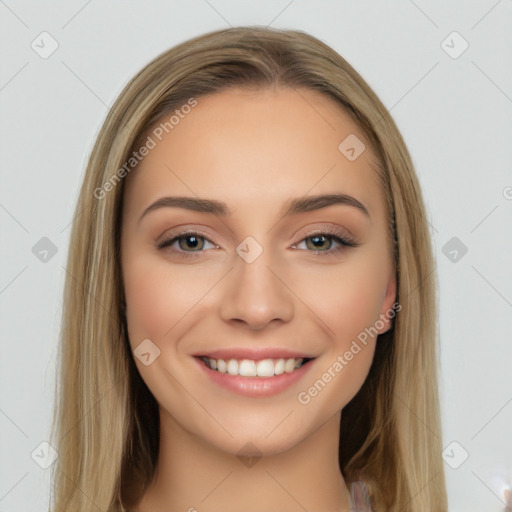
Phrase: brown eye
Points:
(192, 242)
(186, 244)
(326, 243)
(319, 242)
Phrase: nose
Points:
(256, 294)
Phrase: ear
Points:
(389, 306)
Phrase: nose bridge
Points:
(255, 294)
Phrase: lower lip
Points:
(255, 386)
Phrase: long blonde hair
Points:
(106, 420)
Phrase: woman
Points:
(250, 316)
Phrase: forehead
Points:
(257, 147)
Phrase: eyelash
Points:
(345, 243)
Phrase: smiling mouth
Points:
(255, 368)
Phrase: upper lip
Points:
(255, 353)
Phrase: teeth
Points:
(289, 365)
(279, 367)
(233, 367)
(250, 368)
(265, 368)
(222, 367)
(247, 368)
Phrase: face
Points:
(243, 279)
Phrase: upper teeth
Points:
(251, 368)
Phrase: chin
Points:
(265, 436)
(257, 445)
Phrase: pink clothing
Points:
(359, 497)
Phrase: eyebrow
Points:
(292, 207)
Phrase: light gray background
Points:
(455, 115)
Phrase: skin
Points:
(230, 147)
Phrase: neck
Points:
(197, 477)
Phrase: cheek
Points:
(349, 310)
(159, 296)
(346, 298)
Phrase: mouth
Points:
(255, 367)
(257, 372)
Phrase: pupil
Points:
(194, 242)
(317, 240)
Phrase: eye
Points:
(188, 243)
(191, 244)
(322, 243)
